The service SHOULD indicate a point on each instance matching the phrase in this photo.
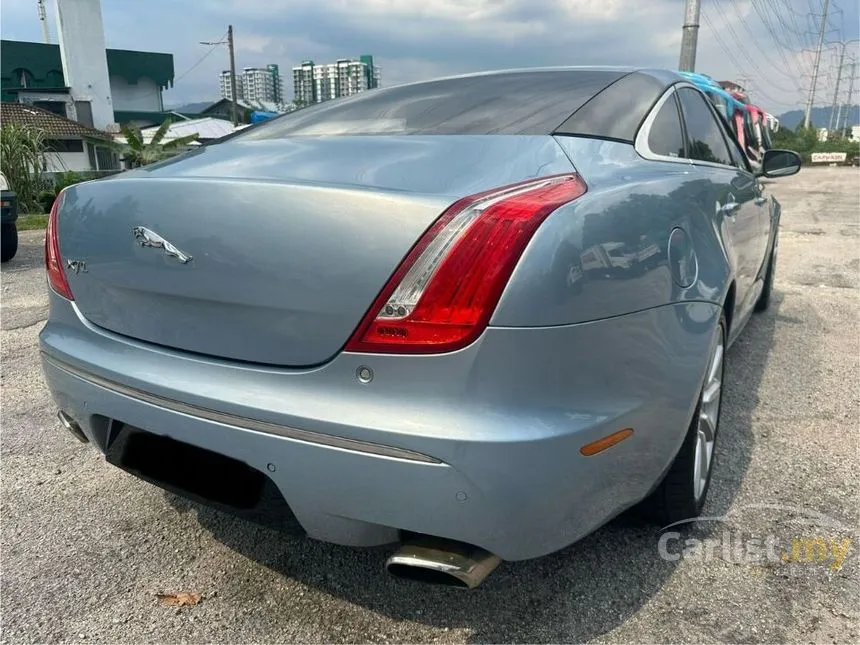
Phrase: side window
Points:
(705, 139)
(666, 137)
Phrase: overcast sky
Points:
(418, 39)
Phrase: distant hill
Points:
(820, 117)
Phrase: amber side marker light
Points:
(608, 441)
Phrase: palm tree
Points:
(21, 150)
(137, 152)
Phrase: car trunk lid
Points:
(254, 253)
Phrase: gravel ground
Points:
(85, 547)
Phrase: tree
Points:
(784, 138)
(137, 152)
(804, 141)
(21, 150)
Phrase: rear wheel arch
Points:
(676, 498)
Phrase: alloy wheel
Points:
(709, 415)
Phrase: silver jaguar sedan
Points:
(474, 318)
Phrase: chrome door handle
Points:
(760, 201)
(729, 208)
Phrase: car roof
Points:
(607, 102)
(664, 75)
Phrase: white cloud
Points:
(254, 44)
(417, 39)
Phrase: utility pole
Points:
(233, 74)
(848, 106)
(690, 36)
(808, 116)
(836, 91)
(233, 107)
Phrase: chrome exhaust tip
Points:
(72, 426)
(442, 562)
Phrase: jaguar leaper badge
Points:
(145, 237)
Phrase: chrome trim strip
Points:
(206, 414)
(641, 143)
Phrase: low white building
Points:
(223, 109)
(206, 129)
(69, 145)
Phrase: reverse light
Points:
(53, 260)
(443, 294)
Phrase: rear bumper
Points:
(480, 445)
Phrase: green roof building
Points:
(33, 73)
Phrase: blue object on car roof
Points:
(700, 78)
(258, 116)
(709, 86)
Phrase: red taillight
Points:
(442, 295)
(53, 261)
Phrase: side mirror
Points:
(780, 163)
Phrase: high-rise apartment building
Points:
(316, 83)
(226, 87)
(303, 83)
(255, 84)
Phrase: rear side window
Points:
(524, 102)
(666, 137)
(704, 138)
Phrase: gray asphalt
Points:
(85, 547)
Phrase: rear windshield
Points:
(527, 102)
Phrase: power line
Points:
(742, 50)
(834, 9)
(794, 29)
(789, 75)
(811, 99)
(761, 8)
(186, 72)
(200, 60)
(811, 25)
(728, 52)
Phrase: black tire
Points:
(675, 498)
(763, 301)
(8, 241)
